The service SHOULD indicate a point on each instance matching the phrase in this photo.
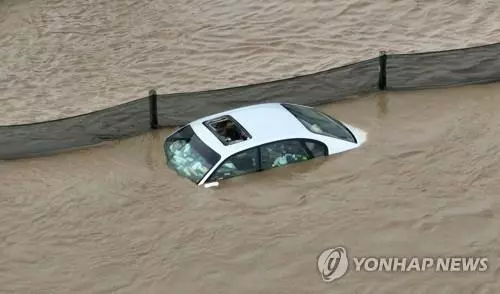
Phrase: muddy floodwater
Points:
(62, 58)
(114, 219)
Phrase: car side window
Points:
(316, 148)
(283, 153)
(236, 165)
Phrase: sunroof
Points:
(227, 130)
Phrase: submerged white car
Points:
(256, 138)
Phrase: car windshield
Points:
(188, 155)
(320, 123)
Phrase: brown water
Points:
(61, 58)
(114, 219)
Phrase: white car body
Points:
(267, 123)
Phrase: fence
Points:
(387, 72)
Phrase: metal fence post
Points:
(382, 77)
(153, 110)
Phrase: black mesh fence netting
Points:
(387, 72)
(443, 69)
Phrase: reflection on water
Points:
(382, 104)
(152, 140)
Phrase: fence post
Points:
(382, 77)
(153, 110)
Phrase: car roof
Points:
(266, 122)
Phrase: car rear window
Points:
(320, 123)
(188, 155)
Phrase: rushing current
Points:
(114, 219)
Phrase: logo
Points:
(333, 264)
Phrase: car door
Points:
(285, 152)
(238, 164)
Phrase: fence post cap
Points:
(152, 92)
(383, 52)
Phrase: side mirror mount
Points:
(211, 185)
